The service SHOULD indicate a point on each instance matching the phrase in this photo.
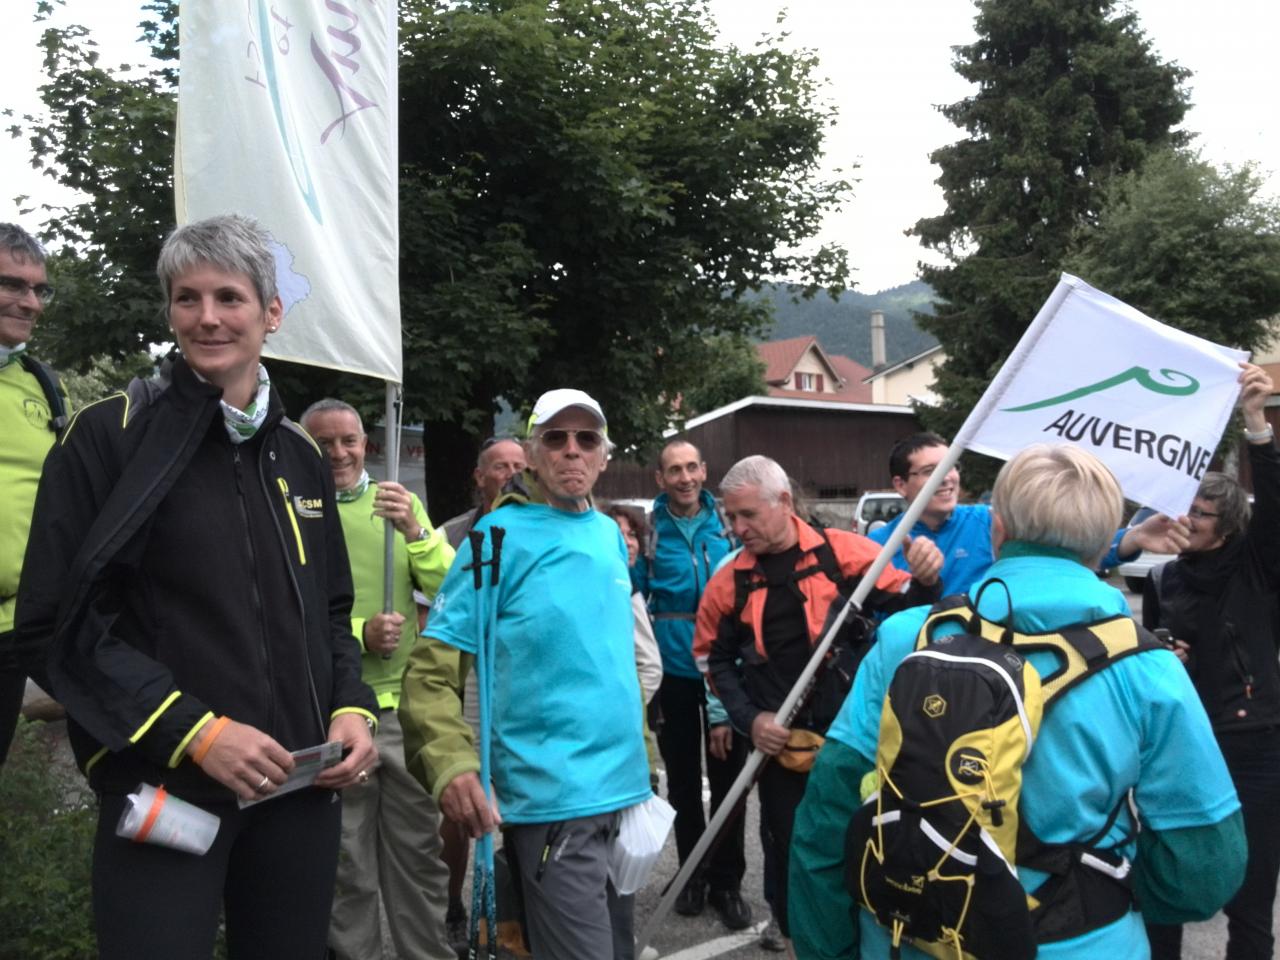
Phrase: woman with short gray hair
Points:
(188, 564)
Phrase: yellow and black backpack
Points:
(934, 852)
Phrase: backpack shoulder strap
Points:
(1085, 649)
(957, 608)
(650, 540)
(51, 387)
(825, 555)
(140, 394)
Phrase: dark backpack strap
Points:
(1088, 887)
(745, 581)
(51, 387)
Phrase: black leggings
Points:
(271, 867)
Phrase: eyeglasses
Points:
(17, 288)
(927, 471)
(1195, 513)
(587, 440)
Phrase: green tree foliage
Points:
(109, 137)
(593, 186)
(1191, 245)
(739, 373)
(588, 188)
(1069, 93)
(105, 375)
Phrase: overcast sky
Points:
(888, 65)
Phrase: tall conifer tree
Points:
(1068, 93)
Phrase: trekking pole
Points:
(791, 705)
(483, 894)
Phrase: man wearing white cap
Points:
(568, 750)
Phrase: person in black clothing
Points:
(1218, 601)
(188, 579)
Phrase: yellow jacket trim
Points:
(93, 760)
(176, 757)
(293, 520)
(360, 710)
(142, 730)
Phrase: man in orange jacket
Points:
(765, 610)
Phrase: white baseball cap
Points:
(555, 401)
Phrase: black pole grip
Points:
(477, 550)
(496, 560)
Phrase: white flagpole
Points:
(391, 446)
(786, 713)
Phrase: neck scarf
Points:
(356, 492)
(243, 424)
(10, 354)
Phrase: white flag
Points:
(1150, 401)
(287, 112)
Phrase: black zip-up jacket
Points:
(1224, 604)
(171, 575)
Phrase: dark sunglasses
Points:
(587, 440)
(17, 288)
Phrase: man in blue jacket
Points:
(687, 540)
(963, 531)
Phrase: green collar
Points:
(1024, 548)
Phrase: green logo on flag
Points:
(1140, 374)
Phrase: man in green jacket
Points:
(390, 825)
(32, 409)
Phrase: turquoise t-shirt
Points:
(1139, 725)
(567, 737)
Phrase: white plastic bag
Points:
(641, 835)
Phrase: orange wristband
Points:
(214, 731)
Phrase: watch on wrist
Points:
(423, 533)
(1257, 436)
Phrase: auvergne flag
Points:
(287, 112)
(1150, 401)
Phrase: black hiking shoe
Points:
(457, 932)
(693, 898)
(735, 913)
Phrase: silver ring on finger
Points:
(363, 776)
(263, 785)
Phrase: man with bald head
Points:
(687, 541)
(501, 458)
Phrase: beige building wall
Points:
(810, 363)
(914, 381)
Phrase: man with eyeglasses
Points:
(568, 751)
(963, 531)
(33, 408)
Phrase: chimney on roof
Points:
(878, 357)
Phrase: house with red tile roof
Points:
(799, 368)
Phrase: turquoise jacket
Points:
(1137, 727)
(679, 560)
